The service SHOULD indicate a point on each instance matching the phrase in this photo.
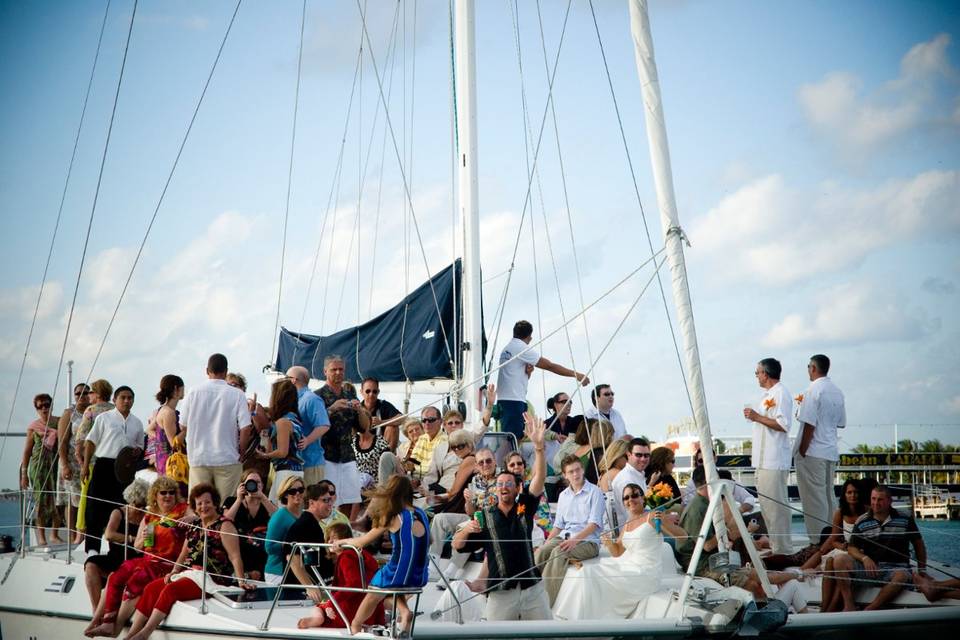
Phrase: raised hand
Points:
(534, 429)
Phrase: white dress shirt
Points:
(111, 432)
(771, 448)
(213, 413)
(576, 510)
(615, 418)
(823, 407)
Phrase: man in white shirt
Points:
(212, 416)
(821, 412)
(517, 360)
(602, 398)
(771, 452)
(638, 457)
(112, 431)
(576, 529)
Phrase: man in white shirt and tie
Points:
(821, 412)
(771, 451)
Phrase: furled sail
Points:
(408, 342)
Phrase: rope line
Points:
(56, 225)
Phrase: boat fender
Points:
(762, 617)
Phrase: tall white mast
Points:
(673, 236)
(466, 88)
(673, 241)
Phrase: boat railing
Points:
(299, 549)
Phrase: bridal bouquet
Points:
(657, 496)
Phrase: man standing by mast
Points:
(513, 377)
(820, 414)
(771, 451)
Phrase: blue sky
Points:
(815, 155)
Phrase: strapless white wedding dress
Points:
(612, 587)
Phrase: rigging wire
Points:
(166, 186)
(96, 198)
(563, 182)
(643, 216)
(286, 210)
(406, 186)
(536, 156)
(56, 225)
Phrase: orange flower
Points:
(799, 398)
(521, 509)
(769, 403)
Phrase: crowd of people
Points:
(224, 478)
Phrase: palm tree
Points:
(862, 448)
(931, 446)
(906, 446)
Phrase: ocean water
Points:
(942, 537)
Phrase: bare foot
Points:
(93, 624)
(852, 608)
(56, 540)
(576, 563)
(307, 623)
(105, 629)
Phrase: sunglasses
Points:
(294, 491)
(77, 394)
(454, 421)
(372, 391)
(166, 493)
(632, 496)
(608, 393)
(485, 461)
(43, 405)
(508, 485)
(458, 447)
(431, 419)
(640, 455)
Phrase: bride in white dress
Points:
(611, 587)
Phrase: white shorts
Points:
(346, 477)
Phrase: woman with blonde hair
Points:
(391, 509)
(291, 491)
(160, 537)
(250, 512)
(614, 459)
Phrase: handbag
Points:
(178, 467)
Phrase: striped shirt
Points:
(887, 541)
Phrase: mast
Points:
(673, 234)
(466, 110)
(673, 240)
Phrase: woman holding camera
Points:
(250, 511)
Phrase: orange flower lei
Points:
(799, 398)
(769, 403)
(521, 509)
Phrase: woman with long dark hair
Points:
(391, 509)
(285, 435)
(849, 509)
(164, 425)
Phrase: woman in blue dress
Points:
(391, 509)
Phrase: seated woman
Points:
(614, 459)
(560, 421)
(412, 430)
(851, 506)
(589, 443)
(291, 501)
(160, 536)
(121, 533)
(452, 501)
(368, 446)
(223, 562)
(612, 587)
(662, 461)
(347, 573)
(250, 512)
(391, 509)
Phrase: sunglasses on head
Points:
(632, 496)
(164, 492)
(295, 490)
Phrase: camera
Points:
(251, 486)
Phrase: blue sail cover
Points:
(403, 343)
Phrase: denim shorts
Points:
(884, 575)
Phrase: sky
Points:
(815, 158)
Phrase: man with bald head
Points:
(316, 422)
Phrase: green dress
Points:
(42, 472)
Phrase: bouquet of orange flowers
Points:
(657, 496)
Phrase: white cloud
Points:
(952, 405)
(851, 314)
(22, 302)
(857, 119)
(769, 232)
